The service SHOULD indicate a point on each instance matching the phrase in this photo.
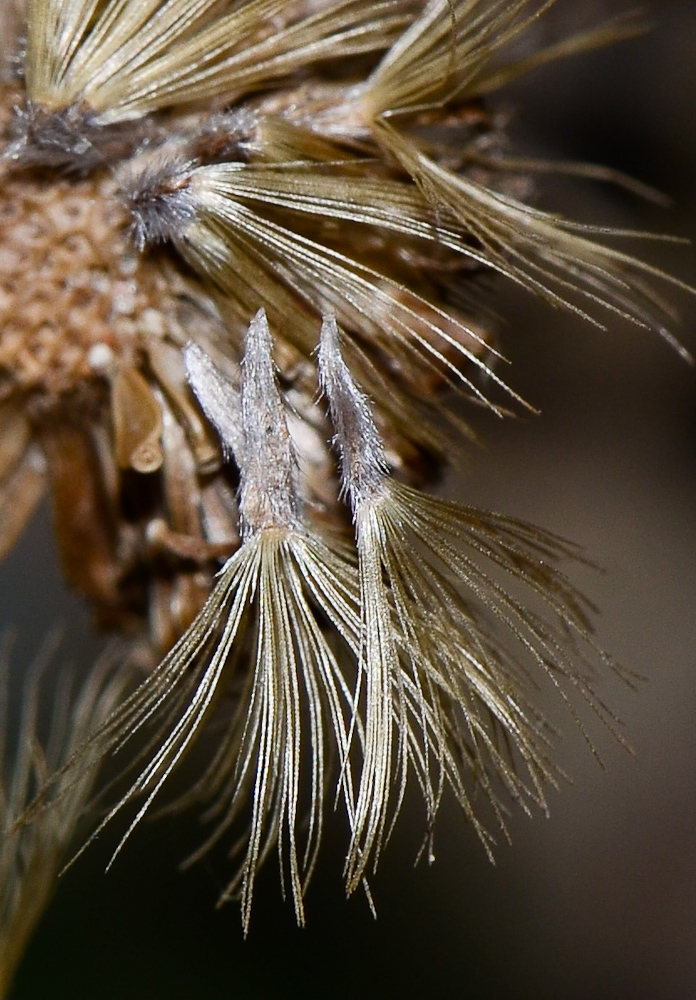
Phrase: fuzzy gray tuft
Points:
(158, 197)
(69, 140)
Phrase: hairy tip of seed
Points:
(218, 399)
(161, 204)
(267, 492)
(356, 436)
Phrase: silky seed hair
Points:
(437, 623)
(181, 178)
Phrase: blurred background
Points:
(599, 900)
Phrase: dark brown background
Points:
(599, 901)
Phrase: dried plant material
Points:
(137, 422)
(218, 398)
(138, 58)
(170, 168)
(169, 367)
(543, 252)
(415, 333)
(265, 620)
(445, 645)
(445, 50)
(33, 853)
(176, 176)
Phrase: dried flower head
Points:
(33, 853)
(171, 169)
(168, 168)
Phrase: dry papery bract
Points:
(173, 169)
(32, 853)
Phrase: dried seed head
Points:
(308, 159)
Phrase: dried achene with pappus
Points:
(405, 658)
(175, 173)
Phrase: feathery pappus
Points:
(191, 190)
(386, 660)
